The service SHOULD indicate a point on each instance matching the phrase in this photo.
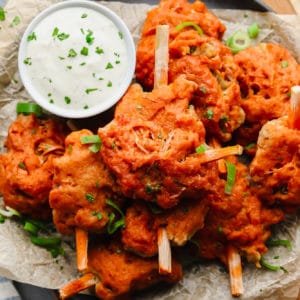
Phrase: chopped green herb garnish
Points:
(111, 225)
(16, 21)
(62, 36)
(83, 16)
(99, 50)
(109, 66)
(27, 61)
(2, 219)
(61, 57)
(31, 37)
(208, 114)
(83, 64)
(201, 149)
(271, 267)
(97, 214)
(89, 37)
(2, 14)
(67, 100)
(95, 148)
(90, 139)
(250, 146)
(88, 91)
(69, 67)
(120, 35)
(22, 166)
(285, 243)
(253, 30)
(150, 189)
(203, 89)
(90, 197)
(284, 64)
(231, 173)
(27, 108)
(55, 31)
(109, 84)
(51, 101)
(82, 31)
(49, 95)
(72, 53)
(84, 51)
(189, 24)
(85, 106)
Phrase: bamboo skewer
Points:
(164, 252)
(81, 237)
(161, 56)
(78, 285)
(161, 68)
(235, 271)
(294, 115)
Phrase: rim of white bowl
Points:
(99, 108)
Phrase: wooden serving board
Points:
(281, 6)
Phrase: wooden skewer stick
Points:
(161, 66)
(294, 115)
(81, 237)
(235, 271)
(164, 252)
(161, 78)
(221, 163)
(78, 285)
(219, 153)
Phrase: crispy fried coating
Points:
(142, 223)
(173, 13)
(238, 219)
(211, 65)
(81, 185)
(121, 273)
(275, 168)
(26, 169)
(267, 73)
(150, 145)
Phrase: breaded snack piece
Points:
(239, 219)
(142, 222)
(121, 273)
(150, 145)
(81, 186)
(275, 169)
(172, 13)
(26, 169)
(267, 73)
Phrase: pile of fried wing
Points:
(167, 172)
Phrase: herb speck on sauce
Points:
(55, 31)
(85, 106)
(99, 50)
(88, 91)
(109, 84)
(72, 53)
(31, 37)
(28, 61)
(83, 64)
(16, 21)
(109, 66)
(67, 99)
(82, 31)
(89, 37)
(83, 16)
(63, 36)
(69, 67)
(51, 101)
(84, 51)
(120, 35)
(61, 57)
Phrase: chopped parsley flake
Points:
(72, 53)
(201, 149)
(83, 16)
(83, 63)
(84, 51)
(99, 50)
(97, 214)
(22, 166)
(28, 61)
(51, 101)
(2, 14)
(284, 64)
(90, 197)
(69, 67)
(88, 91)
(120, 35)
(109, 84)
(109, 66)
(67, 100)
(82, 31)
(31, 37)
(55, 31)
(16, 21)
(86, 107)
(49, 95)
(63, 36)
(89, 37)
(208, 114)
(61, 57)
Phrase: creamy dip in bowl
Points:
(76, 59)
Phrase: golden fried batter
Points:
(81, 186)
(275, 168)
(267, 73)
(26, 170)
(121, 273)
(173, 13)
(150, 145)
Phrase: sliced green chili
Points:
(231, 173)
(30, 227)
(189, 24)
(253, 30)
(285, 243)
(271, 267)
(240, 40)
(46, 242)
(90, 139)
(201, 149)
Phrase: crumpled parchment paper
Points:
(22, 261)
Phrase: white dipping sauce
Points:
(76, 57)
